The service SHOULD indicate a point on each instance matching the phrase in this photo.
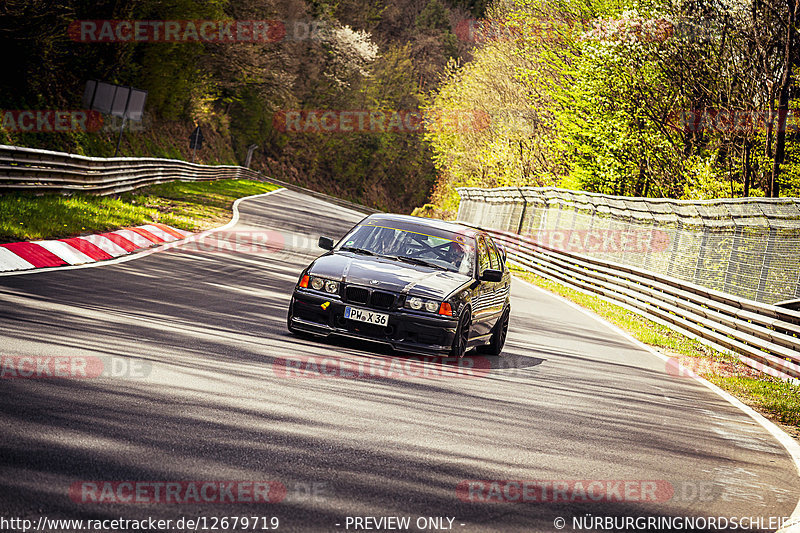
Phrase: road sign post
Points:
(126, 103)
(196, 141)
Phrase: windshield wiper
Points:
(356, 250)
(417, 261)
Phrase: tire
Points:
(499, 333)
(461, 339)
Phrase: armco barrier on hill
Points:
(698, 267)
(26, 169)
(747, 247)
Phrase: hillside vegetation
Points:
(344, 56)
(663, 98)
(678, 99)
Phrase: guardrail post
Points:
(733, 258)
(764, 274)
(459, 215)
(675, 245)
(524, 209)
(558, 216)
(701, 257)
(797, 285)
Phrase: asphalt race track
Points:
(193, 346)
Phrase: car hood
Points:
(388, 274)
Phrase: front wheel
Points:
(461, 340)
(499, 334)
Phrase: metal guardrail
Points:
(748, 247)
(710, 269)
(30, 169)
(24, 169)
(765, 337)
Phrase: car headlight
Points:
(321, 284)
(418, 304)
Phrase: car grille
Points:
(356, 295)
(376, 299)
(382, 300)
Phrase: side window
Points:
(483, 256)
(494, 256)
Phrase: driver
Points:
(455, 254)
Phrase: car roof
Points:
(435, 223)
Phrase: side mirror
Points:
(492, 275)
(326, 243)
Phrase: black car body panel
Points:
(382, 284)
(390, 275)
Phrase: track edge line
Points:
(787, 441)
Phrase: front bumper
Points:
(407, 331)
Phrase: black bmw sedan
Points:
(419, 285)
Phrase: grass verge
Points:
(192, 206)
(776, 399)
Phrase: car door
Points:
(499, 290)
(482, 301)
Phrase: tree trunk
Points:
(746, 169)
(768, 151)
(783, 99)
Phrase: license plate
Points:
(369, 317)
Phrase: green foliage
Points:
(476, 8)
(495, 127)
(354, 55)
(614, 141)
(433, 17)
(779, 399)
(600, 87)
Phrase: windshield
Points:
(413, 247)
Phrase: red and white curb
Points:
(12, 264)
(88, 249)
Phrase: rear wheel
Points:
(499, 334)
(461, 339)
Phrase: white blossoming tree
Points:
(350, 52)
